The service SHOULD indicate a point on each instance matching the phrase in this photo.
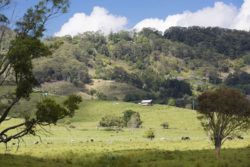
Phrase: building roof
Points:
(146, 101)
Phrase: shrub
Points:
(171, 102)
(131, 119)
(150, 134)
(174, 88)
(246, 59)
(101, 96)
(132, 97)
(112, 98)
(111, 121)
(92, 92)
(165, 125)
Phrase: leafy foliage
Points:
(62, 69)
(150, 134)
(111, 121)
(131, 119)
(224, 41)
(48, 111)
(175, 89)
(17, 67)
(240, 80)
(224, 113)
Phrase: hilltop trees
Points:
(148, 60)
(224, 113)
(16, 67)
(232, 43)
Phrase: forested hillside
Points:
(171, 67)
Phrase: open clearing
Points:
(79, 141)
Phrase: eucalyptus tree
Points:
(16, 70)
(224, 113)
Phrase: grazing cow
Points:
(185, 138)
(36, 142)
(72, 126)
(240, 137)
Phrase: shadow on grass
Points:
(134, 158)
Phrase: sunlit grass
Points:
(86, 143)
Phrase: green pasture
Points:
(79, 141)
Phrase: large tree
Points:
(16, 70)
(224, 113)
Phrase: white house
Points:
(146, 102)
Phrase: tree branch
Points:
(7, 110)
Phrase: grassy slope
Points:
(113, 89)
(72, 147)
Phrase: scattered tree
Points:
(150, 134)
(224, 113)
(132, 119)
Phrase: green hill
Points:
(148, 64)
(132, 66)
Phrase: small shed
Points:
(146, 102)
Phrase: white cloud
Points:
(221, 15)
(99, 20)
(242, 20)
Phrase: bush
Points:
(111, 121)
(131, 119)
(101, 96)
(92, 92)
(171, 102)
(165, 125)
(132, 97)
(150, 134)
(174, 88)
(238, 78)
(246, 59)
(186, 102)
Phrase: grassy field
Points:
(80, 142)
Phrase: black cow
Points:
(240, 137)
(185, 138)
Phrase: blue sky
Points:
(134, 11)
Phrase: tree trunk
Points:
(217, 148)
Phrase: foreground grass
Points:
(134, 158)
(79, 142)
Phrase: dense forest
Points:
(171, 67)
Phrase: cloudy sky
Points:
(116, 15)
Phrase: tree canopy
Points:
(16, 67)
(224, 113)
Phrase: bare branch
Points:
(7, 110)
(12, 127)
